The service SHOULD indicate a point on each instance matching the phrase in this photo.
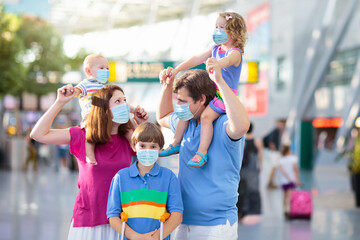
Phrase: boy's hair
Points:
(89, 60)
(285, 149)
(99, 122)
(236, 27)
(197, 82)
(148, 132)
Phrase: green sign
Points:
(145, 71)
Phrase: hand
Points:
(65, 94)
(167, 76)
(145, 236)
(212, 66)
(140, 115)
(132, 108)
(298, 183)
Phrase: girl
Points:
(288, 165)
(107, 127)
(229, 37)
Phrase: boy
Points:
(145, 191)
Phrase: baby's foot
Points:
(91, 160)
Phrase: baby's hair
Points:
(148, 132)
(89, 60)
(235, 27)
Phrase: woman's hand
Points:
(140, 115)
(65, 94)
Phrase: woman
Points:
(109, 128)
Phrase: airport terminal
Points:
(299, 85)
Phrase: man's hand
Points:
(167, 76)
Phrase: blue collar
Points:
(134, 171)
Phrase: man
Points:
(273, 141)
(209, 193)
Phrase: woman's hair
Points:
(285, 149)
(235, 27)
(148, 132)
(99, 121)
(197, 82)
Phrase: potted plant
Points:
(352, 153)
(354, 167)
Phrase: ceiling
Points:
(81, 16)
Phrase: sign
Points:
(112, 72)
(145, 71)
(256, 96)
(327, 122)
(249, 72)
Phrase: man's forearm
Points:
(238, 118)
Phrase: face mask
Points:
(183, 112)
(102, 75)
(220, 36)
(147, 157)
(121, 113)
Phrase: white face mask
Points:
(147, 157)
(121, 113)
(102, 75)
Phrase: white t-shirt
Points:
(288, 163)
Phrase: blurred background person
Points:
(272, 142)
(32, 153)
(288, 165)
(249, 203)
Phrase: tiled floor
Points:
(36, 206)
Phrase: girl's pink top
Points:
(94, 180)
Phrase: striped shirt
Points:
(88, 88)
(144, 198)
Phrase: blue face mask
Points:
(147, 157)
(183, 112)
(102, 75)
(121, 113)
(220, 36)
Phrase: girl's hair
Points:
(285, 149)
(235, 27)
(99, 122)
(148, 132)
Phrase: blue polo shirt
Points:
(144, 199)
(209, 192)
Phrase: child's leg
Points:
(287, 196)
(90, 153)
(179, 132)
(207, 130)
(178, 136)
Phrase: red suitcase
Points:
(300, 204)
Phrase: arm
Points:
(174, 220)
(190, 63)
(42, 131)
(165, 106)
(115, 223)
(285, 173)
(239, 121)
(77, 92)
(260, 146)
(234, 58)
(296, 170)
(193, 61)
